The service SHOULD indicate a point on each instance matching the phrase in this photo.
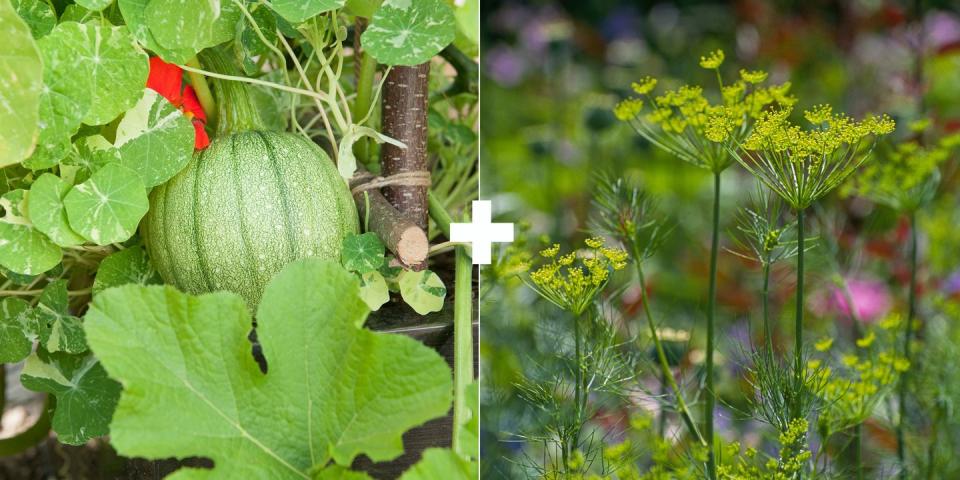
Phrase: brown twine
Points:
(406, 179)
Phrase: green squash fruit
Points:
(245, 207)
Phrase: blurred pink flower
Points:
(871, 298)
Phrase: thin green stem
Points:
(907, 334)
(578, 378)
(798, 325)
(202, 89)
(365, 81)
(463, 342)
(711, 399)
(767, 331)
(858, 449)
(438, 213)
(665, 370)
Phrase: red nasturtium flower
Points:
(167, 80)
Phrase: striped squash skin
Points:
(245, 207)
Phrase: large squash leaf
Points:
(332, 390)
(442, 463)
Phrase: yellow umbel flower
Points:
(645, 85)
(824, 344)
(571, 280)
(754, 77)
(713, 60)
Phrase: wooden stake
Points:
(405, 96)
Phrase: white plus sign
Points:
(481, 233)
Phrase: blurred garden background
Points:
(552, 73)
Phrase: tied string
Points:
(367, 181)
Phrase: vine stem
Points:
(463, 342)
(711, 399)
(907, 333)
(665, 370)
(299, 91)
(798, 325)
(202, 89)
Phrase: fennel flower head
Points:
(571, 281)
(802, 165)
(687, 124)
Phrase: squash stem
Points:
(439, 214)
(236, 111)
(364, 100)
(202, 89)
(463, 373)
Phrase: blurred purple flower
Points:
(870, 297)
(505, 65)
(623, 22)
(951, 285)
(942, 29)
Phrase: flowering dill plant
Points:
(803, 165)
(685, 123)
(905, 176)
(572, 280)
(861, 380)
(764, 236)
(629, 215)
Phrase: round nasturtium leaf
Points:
(15, 342)
(64, 102)
(373, 290)
(182, 24)
(21, 74)
(23, 249)
(127, 266)
(154, 139)
(94, 5)
(107, 207)
(191, 25)
(409, 32)
(38, 14)
(134, 13)
(362, 253)
(423, 291)
(297, 11)
(106, 62)
(86, 395)
(46, 212)
(363, 8)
